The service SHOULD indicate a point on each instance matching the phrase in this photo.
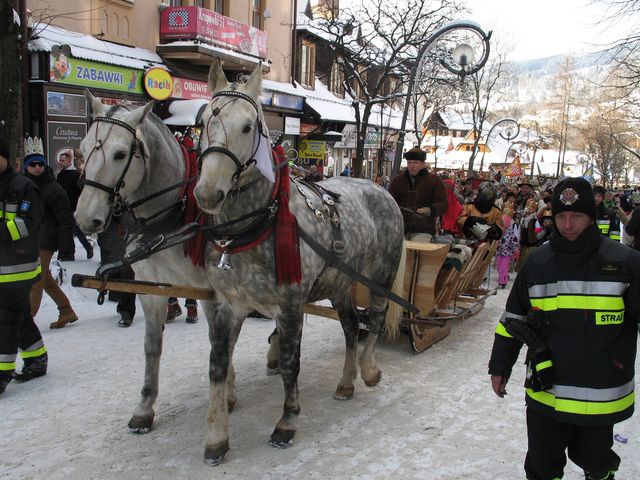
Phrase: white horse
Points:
(130, 156)
(233, 187)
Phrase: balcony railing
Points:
(195, 23)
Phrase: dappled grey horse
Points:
(130, 156)
(234, 188)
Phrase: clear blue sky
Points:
(540, 28)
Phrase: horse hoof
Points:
(343, 393)
(213, 455)
(273, 368)
(140, 425)
(282, 438)
(375, 381)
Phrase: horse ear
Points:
(253, 85)
(217, 78)
(94, 106)
(136, 117)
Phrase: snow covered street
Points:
(433, 416)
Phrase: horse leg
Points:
(155, 312)
(290, 332)
(223, 335)
(273, 354)
(369, 371)
(349, 321)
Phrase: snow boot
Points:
(67, 315)
(32, 368)
(4, 381)
(173, 311)
(126, 319)
(192, 314)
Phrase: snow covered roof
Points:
(184, 112)
(88, 47)
(214, 51)
(456, 120)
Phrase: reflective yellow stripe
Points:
(18, 277)
(500, 330)
(581, 407)
(5, 366)
(13, 230)
(542, 365)
(578, 302)
(36, 353)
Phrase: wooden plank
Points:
(421, 338)
(142, 288)
(321, 311)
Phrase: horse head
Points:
(232, 130)
(114, 162)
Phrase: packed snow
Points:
(433, 416)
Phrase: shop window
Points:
(218, 6)
(175, 3)
(307, 64)
(335, 80)
(256, 14)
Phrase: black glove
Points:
(494, 233)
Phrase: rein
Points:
(117, 203)
(224, 149)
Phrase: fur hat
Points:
(416, 154)
(4, 149)
(487, 190)
(574, 194)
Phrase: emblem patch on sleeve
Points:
(25, 206)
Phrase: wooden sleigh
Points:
(441, 292)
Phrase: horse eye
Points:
(120, 156)
(246, 129)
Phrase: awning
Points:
(87, 47)
(202, 53)
(332, 110)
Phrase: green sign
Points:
(74, 71)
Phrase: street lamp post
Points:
(458, 57)
(508, 128)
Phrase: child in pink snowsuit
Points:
(508, 246)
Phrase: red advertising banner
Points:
(195, 23)
(187, 89)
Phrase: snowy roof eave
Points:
(88, 47)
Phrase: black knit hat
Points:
(574, 194)
(4, 149)
(416, 154)
(599, 190)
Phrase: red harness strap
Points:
(194, 247)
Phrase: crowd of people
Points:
(574, 302)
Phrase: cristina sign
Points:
(195, 23)
(86, 73)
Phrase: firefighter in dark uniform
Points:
(606, 220)
(575, 304)
(20, 214)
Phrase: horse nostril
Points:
(96, 223)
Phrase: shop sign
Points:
(188, 89)
(62, 136)
(372, 140)
(158, 83)
(66, 104)
(74, 71)
(195, 23)
(312, 149)
(307, 128)
(291, 126)
(291, 102)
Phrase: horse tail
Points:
(394, 312)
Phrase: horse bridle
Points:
(116, 202)
(240, 166)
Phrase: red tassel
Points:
(287, 244)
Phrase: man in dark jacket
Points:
(575, 304)
(20, 214)
(68, 178)
(56, 233)
(606, 220)
(421, 196)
